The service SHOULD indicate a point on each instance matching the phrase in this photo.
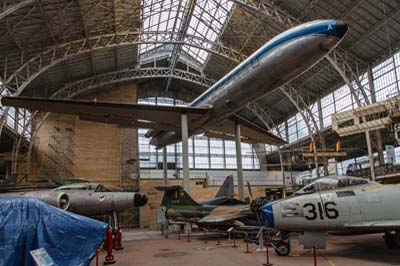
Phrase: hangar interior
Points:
(339, 117)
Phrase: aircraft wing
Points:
(226, 213)
(249, 131)
(123, 114)
(383, 224)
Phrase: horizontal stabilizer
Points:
(249, 131)
(224, 214)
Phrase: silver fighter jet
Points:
(341, 203)
(87, 198)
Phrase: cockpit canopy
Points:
(89, 186)
(327, 183)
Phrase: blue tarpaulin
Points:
(27, 224)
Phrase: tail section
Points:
(176, 196)
(227, 188)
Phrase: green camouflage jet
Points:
(224, 209)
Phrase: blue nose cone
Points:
(267, 215)
(341, 29)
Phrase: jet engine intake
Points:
(140, 199)
(57, 199)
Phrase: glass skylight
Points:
(160, 16)
(208, 22)
(165, 17)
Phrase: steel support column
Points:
(378, 134)
(370, 156)
(165, 173)
(185, 152)
(239, 161)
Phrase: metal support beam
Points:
(239, 162)
(12, 8)
(165, 171)
(358, 92)
(377, 133)
(41, 62)
(187, 16)
(310, 121)
(370, 156)
(185, 153)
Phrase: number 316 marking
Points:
(330, 212)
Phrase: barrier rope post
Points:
(234, 239)
(205, 236)
(247, 243)
(218, 242)
(315, 256)
(188, 233)
(267, 253)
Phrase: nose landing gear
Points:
(392, 239)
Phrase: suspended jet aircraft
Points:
(215, 112)
(87, 198)
(343, 203)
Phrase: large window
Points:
(204, 152)
(386, 84)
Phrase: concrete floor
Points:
(149, 248)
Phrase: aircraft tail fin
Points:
(176, 196)
(227, 188)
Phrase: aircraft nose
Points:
(341, 28)
(140, 199)
(267, 215)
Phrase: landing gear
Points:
(282, 248)
(392, 239)
(280, 240)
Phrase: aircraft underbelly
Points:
(273, 70)
(265, 74)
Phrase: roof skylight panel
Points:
(207, 23)
(160, 19)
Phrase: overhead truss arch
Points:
(73, 89)
(11, 8)
(32, 68)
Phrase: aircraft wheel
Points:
(391, 241)
(282, 248)
(397, 238)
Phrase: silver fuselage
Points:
(274, 64)
(86, 199)
(343, 209)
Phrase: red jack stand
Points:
(118, 239)
(109, 259)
